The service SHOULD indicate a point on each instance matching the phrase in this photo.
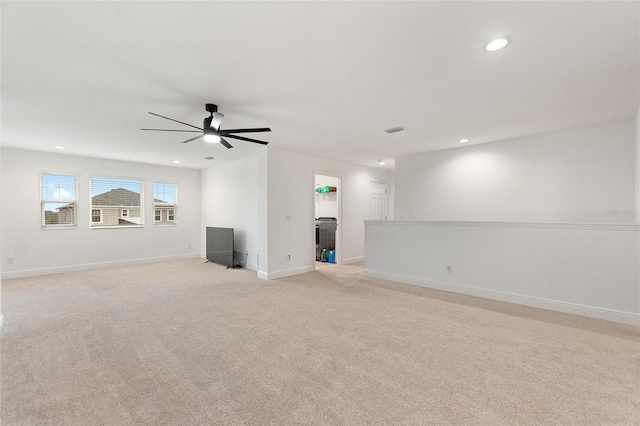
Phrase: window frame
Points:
(165, 207)
(100, 214)
(71, 202)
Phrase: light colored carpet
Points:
(189, 343)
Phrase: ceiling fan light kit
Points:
(211, 138)
(211, 129)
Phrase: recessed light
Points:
(176, 161)
(209, 158)
(463, 140)
(496, 44)
(59, 147)
(394, 129)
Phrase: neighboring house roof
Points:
(116, 197)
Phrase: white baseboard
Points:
(285, 272)
(535, 302)
(98, 265)
(351, 260)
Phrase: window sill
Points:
(57, 227)
(116, 227)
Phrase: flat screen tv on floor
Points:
(220, 245)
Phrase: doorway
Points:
(327, 219)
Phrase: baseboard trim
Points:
(351, 260)
(98, 265)
(535, 302)
(1, 323)
(543, 225)
(285, 273)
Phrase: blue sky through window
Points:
(60, 188)
(164, 191)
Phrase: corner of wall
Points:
(1, 221)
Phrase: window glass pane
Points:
(109, 197)
(59, 213)
(164, 192)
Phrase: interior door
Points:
(378, 201)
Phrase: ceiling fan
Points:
(211, 129)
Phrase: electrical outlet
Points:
(9, 260)
(188, 246)
(449, 269)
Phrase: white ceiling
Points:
(327, 77)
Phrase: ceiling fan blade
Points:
(216, 120)
(259, 129)
(246, 139)
(171, 130)
(171, 119)
(225, 143)
(193, 139)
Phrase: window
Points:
(96, 216)
(165, 202)
(117, 203)
(58, 200)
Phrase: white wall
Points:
(638, 166)
(577, 175)
(38, 251)
(1, 258)
(589, 269)
(291, 225)
(230, 200)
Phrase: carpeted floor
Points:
(189, 343)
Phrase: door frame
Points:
(339, 217)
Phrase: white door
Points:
(378, 201)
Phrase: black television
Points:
(220, 246)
